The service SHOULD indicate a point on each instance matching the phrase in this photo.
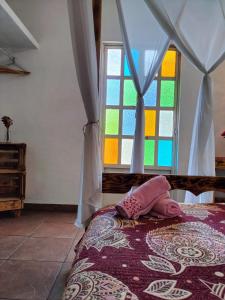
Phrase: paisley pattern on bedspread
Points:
(148, 258)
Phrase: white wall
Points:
(46, 106)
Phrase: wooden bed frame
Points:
(121, 183)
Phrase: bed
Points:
(148, 258)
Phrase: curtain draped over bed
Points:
(144, 53)
(83, 41)
(197, 27)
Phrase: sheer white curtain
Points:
(198, 30)
(83, 41)
(145, 44)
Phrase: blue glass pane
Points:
(128, 126)
(151, 94)
(165, 150)
(113, 92)
(135, 55)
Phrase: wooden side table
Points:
(12, 177)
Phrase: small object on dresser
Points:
(7, 121)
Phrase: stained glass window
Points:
(135, 55)
(126, 151)
(165, 153)
(112, 121)
(129, 93)
(114, 62)
(150, 122)
(128, 124)
(149, 154)
(169, 64)
(150, 96)
(111, 151)
(120, 109)
(167, 93)
(166, 123)
(113, 92)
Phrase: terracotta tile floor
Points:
(36, 254)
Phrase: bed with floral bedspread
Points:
(148, 258)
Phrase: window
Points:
(120, 99)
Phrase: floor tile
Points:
(60, 217)
(2, 261)
(27, 279)
(58, 230)
(59, 286)
(71, 255)
(18, 226)
(79, 235)
(8, 245)
(47, 249)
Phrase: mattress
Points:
(148, 258)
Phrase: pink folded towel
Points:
(165, 207)
(143, 198)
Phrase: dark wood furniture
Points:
(12, 177)
(121, 183)
(220, 163)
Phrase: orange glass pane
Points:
(111, 151)
(169, 64)
(150, 118)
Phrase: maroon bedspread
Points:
(179, 258)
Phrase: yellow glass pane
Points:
(150, 118)
(111, 151)
(169, 64)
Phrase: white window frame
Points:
(120, 107)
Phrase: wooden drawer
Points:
(12, 156)
(12, 185)
(11, 204)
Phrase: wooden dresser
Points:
(12, 177)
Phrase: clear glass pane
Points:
(113, 92)
(151, 94)
(126, 151)
(150, 118)
(135, 56)
(166, 123)
(128, 125)
(169, 64)
(129, 93)
(111, 151)
(165, 152)
(149, 154)
(112, 121)
(167, 93)
(114, 62)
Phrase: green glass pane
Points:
(149, 157)
(129, 93)
(112, 121)
(167, 93)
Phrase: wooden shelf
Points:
(220, 163)
(13, 33)
(10, 171)
(220, 167)
(11, 204)
(11, 199)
